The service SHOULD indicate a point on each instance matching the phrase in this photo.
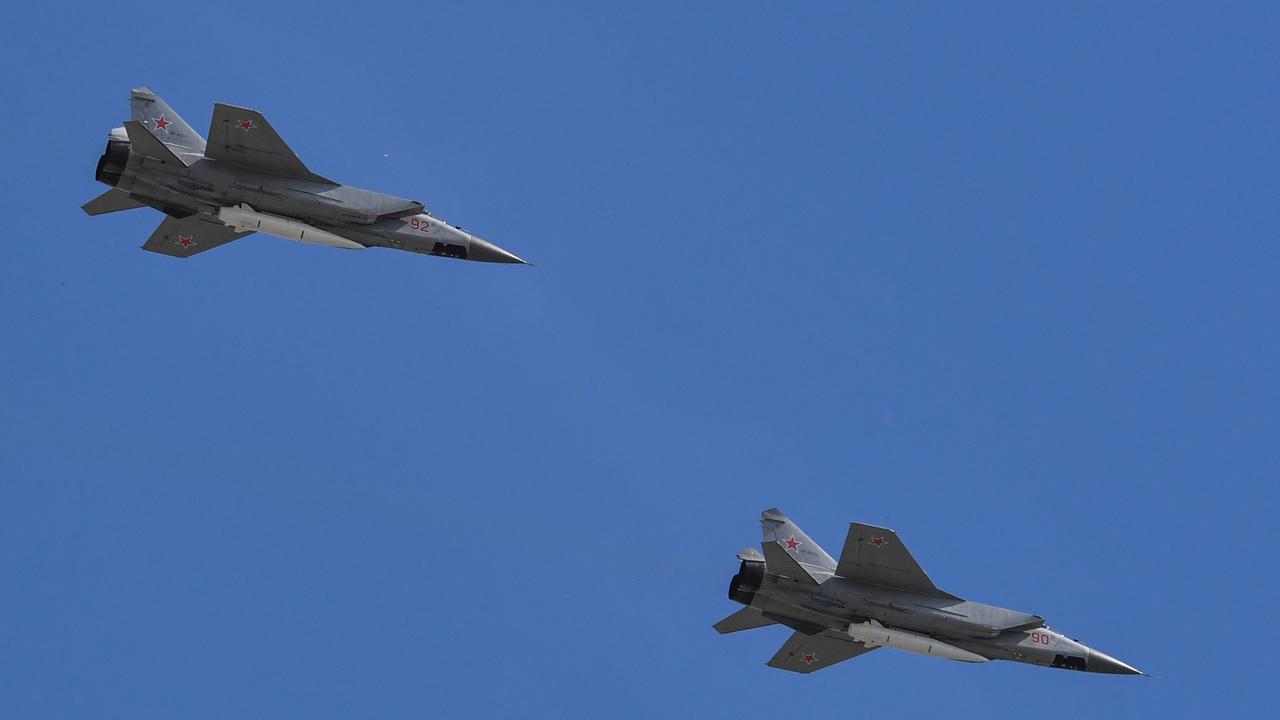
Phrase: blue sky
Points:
(1001, 277)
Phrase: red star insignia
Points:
(246, 125)
(185, 241)
(791, 543)
(808, 658)
(878, 541)
(161, 123)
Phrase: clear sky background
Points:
(1000, 276)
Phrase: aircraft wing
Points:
(182, 238)
(875, 555)
(810, 653)
(243, 137)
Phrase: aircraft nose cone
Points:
(1103, 663)
(485, 251)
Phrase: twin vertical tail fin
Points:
(153, 130)
(151, 111)
(143, 142)
(789, 551)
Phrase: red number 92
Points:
(420, 225)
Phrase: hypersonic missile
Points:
(872, 633)
(245, 219)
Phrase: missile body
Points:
(245, 219)
(873, 633)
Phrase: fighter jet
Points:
(245, 179)
(877, 596)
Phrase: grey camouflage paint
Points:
(157, 160)
(877, 585)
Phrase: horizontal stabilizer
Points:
(748, 618)
(142, 142)
(113, 200)
(809, 653)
